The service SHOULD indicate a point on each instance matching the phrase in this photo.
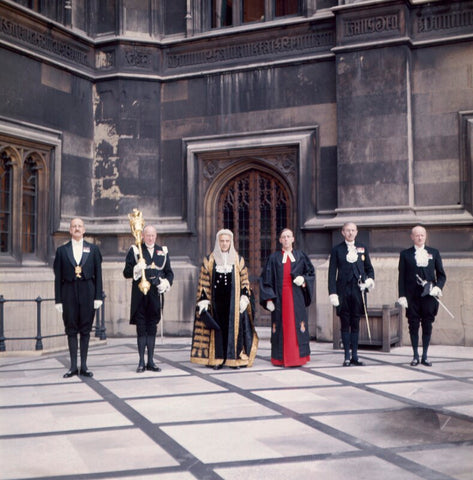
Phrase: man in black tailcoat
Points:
(421, 279)
(78, 292)
(145, 310)
(350, 276)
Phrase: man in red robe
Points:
(286, 289)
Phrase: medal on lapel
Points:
(78, 271)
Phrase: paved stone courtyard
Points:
(383, 420)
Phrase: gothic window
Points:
(29, 214)
(6, 173)
(227, 13)
(23, 202)
(255, 206)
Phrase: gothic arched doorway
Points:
(255, 206)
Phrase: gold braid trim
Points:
(203, 341)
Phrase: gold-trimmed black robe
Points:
(242, 338)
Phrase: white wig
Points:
(220, 258)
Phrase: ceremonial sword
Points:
(364, 306)
(423, 283)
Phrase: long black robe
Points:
(271, 289)
(242, 340)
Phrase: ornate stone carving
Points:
(277, 46)
(138, 58)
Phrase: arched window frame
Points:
(19, 154)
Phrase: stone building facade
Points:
(251, 115)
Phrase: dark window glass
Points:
(30, 205)
(175, 17)
(253, 11)
(222, 13)
(5, 202)
(286, 7)
(106, 17)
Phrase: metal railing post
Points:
(39, 338)
(102, 323)
(100, 326)
(97, 322)
(2, 336)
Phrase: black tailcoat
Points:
(77, 294)
(162, 264)
(407, 280)
(341, 272)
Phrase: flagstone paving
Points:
(385, 419)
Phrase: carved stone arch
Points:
(221, 180)
(11, 152)
(255, 201)
(219, 167)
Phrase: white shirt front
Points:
(352, 255)
(77, 247)
(422, 256)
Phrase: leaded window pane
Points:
(5, 202)
(29, 205)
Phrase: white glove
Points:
(436, 292)
(244, 302)
(97, 304)
(164, 285)
(138, 269)
(203, 305)
(58, 307)
(270, 306)
(334, 300)
(369, 283)
(299, 280)
(402, 301)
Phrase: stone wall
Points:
(20, 318)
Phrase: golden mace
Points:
(137, 224)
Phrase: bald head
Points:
(419, 236)
(77, 229)
(149, 235)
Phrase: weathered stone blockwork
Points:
(150, 106)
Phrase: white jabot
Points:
(352, 255)
(77, 250)
(286, 255)
(422, 256)
(224, 267)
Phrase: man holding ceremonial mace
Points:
(149, 265)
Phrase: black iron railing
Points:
(99, 325)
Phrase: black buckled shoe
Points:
(71, 373)
(414, 362)
(346, 363)
(425, 362)
(356, 362)
(140, 369)
(86, 373)
(153, 368)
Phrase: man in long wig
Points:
(224, 332)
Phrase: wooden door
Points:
(255, 206)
